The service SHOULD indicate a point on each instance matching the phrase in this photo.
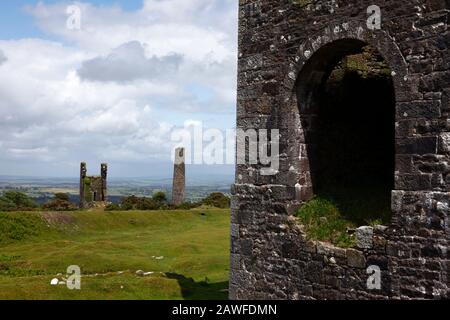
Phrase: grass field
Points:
(186, 254)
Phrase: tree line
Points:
(18, 201)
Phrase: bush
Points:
(6, 204)
(146, 204)
(160, 198)
(218, 200)
(129, 203)
(16, 201)
(159, 202)
(60, 203)
(62, 196)
(136, 203)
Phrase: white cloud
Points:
(127, 63)
(101, 92)
(3, 58)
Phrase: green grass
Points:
(110, 247)
(323, 221)
(328, 217)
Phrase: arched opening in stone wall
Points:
(346, 101)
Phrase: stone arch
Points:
(356, 31)
(311, 63)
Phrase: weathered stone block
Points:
(379, 243)
(444, 142)
(330, 250)
(419, 109)
(420, 145)
(355, 258)
(310, 247)
(364, 237)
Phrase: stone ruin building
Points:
(179, 177)
(399, 128)
(93, 189)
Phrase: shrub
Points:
(137, 203)
(218, 200)
(6, 204)
(62, 196)
(160, 198)
(60, 202)
(146, 204)
(129, 203)
(16, 201)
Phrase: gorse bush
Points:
(6, 204)
(62, 196)
(147, 204)
(16, 201)
(218, 200)
(61, 202)
(159, 202)
(140, 203)
(160, 198)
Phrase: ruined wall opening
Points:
(346, 100)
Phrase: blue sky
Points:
(16, 23)
(115, 90)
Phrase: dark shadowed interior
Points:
(350, 133)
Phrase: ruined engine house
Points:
(93, 189)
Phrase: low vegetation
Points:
(323, 221)
(122, 255)
(17, 201)
(61, 202)
(217, 200)
(333, 218)
(19, 226)
(159, 202)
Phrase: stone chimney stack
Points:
(104, 175)
(179, 177)
(83, 172)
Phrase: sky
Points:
(113, 83)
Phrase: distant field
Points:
(60, 190)
(186, 254)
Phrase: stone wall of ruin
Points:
(270, 256)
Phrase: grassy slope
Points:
(195, 244)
